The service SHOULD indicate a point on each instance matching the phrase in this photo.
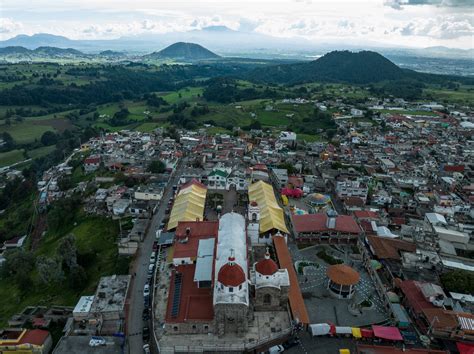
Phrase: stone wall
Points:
(271, 298)
(231, 318)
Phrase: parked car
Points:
(146, 290)
(276, 349)
(146, 314)
(151, 268)
(292, 342)
(146, 349)
(146, 334)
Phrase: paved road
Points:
(135, 322)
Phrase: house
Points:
(357, 112)
(348, 188)
(15, 242)
(217, 179)
(433, 312)
(91, 163)
(120, 206)
(25, 341)
(149, 192)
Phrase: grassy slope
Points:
(25, 132)
(11, 157)
(95, 236)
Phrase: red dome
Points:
(266, 266)
(231, 274)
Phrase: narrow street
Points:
(134, 321)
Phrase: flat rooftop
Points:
(111, 293)
(80, 345)
(194, 303)
(265, 328)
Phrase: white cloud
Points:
(421, 23)
(8, 25)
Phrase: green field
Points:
(41, 152)
(148, 127)
(188, 94)
(10, 157)
(464, 95)
(309, 138)
(25, 132)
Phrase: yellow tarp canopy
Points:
(271, 214)
(188, 205)
(356, 332)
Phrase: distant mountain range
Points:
(17, 53)
(337, 66)
(226, 41)
(187, 52)
(183, 51)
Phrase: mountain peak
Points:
(183, 50)
(217, 29)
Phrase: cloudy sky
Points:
(409, 23)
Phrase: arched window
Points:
(267, 299)
(254, 217)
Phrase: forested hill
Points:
(187, 51)
(338, 66)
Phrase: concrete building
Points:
(326, 228)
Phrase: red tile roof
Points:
(266, 267)
(297, 305)
(92, 160)
(35, 337)
(454, 168)
(354, 201)
(231, 274)
(195, 303)
(414, 296)
(342, 274)
(197, 228)
(389, 248)
(317, 223)
(195, 182)
(365, 214)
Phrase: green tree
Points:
(77, 278)
(67, 251)
(156, 167)
(49, 270)
(8, 140)
(49, 138)
(459, 281)
(19, 264)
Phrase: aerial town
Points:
(256, 242)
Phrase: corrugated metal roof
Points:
(188, 205)
(204, 260)
(271, 214)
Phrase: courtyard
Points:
(322, 306)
